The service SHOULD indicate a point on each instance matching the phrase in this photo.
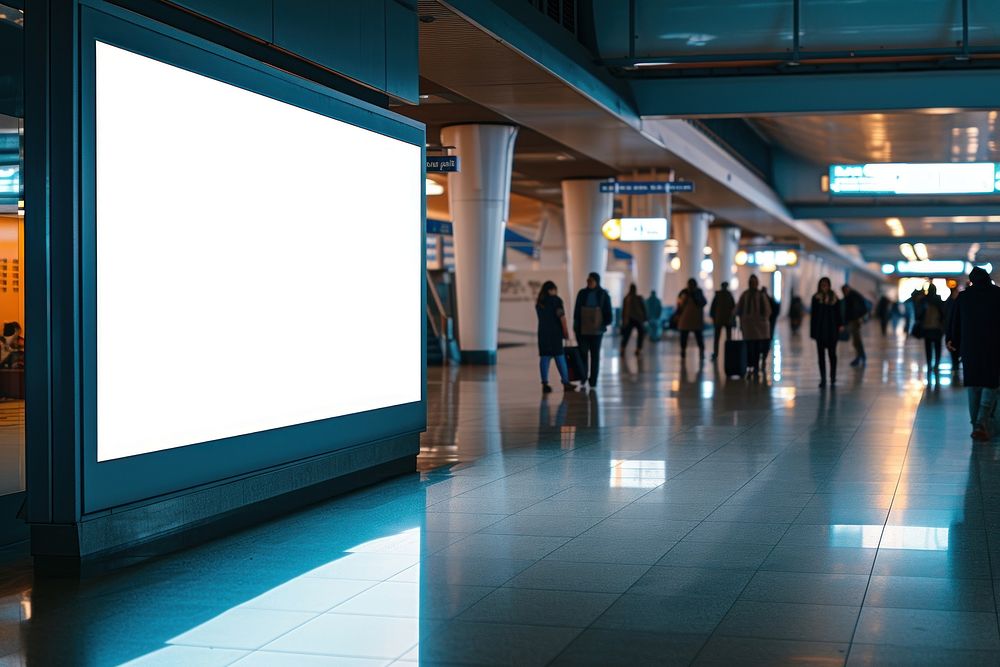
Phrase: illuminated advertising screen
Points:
(255, 261)
(901, 178)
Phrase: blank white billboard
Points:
(258, 264)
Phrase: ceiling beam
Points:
(860, 92)
(917, 238)
(907, 210)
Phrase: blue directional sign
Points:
(647, 187)
(442, 163)
(439, 227)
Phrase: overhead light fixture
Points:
(895, 226)
(612, 229)
(20, 207)
(672, 245)
(921, 250)
(973, 251)
(908, 251)
(888, 269)
(433, 188)
(675, 264)
(659, 63)
(707, 250)
(741, 257)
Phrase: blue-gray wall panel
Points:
(253, 17)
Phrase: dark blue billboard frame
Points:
(66, 481)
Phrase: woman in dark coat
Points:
(975, 322)
(825, 323)
(931, 318)
(552, 331)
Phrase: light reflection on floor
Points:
(674, 516)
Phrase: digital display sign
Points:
(233, 294)
(904, 178)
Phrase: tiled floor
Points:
(671, 518)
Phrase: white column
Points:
(585, 210)
(479, 196)
(650, 262)
(691, 232)
(724, 241)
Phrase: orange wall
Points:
(11, 268)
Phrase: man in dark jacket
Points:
(723, 314)
(591, 317)
(855, 312)
(975, 323)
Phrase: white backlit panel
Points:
(258, 265)
(644, 229)
(902, 178)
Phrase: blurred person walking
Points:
(930, 319)
(825, 323)
(691, 316)
(654, 313)
(552, 331)
(591, 318)
(855, 312)
(633, 317)
(975, 324)
(884, 312)
(723, 314)
(949, 315)
(754, 311)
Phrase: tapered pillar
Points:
(691, 232)
(479, 196)
(585, 210)
(650, 261)
(724, 242)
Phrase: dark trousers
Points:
(756, 349)
(932, 348)
(824, 350)
(590, 350)
(699, 337)
(854, 326)
(627, 333)
(719, 328)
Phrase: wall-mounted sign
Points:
(766, 258)
(905, 178)
(439, 227)
(647, 187)
(442, 163)
(635, 229)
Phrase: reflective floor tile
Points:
(567, 508)
(413, 600)
(168, 656)
(455, 570)
(780, 620)
(481, 545)
(539, 607)
(365, 566)
(745, 651)
(730, 532)
(631, 529)
(567, 576)
(807, 588)
(879, 655)
(549, 526)
(458, 522)
(937, 563)
(585, 549)
(692, 581)
(275, 659)
(836, 560)
(934, 628)
(666, 511)
(930, 593)
(716, 555)
(309, 594)
(351, 636)
(596, 647)
(665, 614)
(457, 642)
(754, 514)
(242, 628)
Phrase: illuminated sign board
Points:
(635, 229)
(904, 178)
(647, 187)
(10, 179)
(936, 267)
(767, 257)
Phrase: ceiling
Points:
(937, 135)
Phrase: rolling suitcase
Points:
(574, 363)
(735, 358)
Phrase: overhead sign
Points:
(439, 227)
(766, 258)
(647, 187)
(442, 163)
(935, 267)
(905, 178)
(635, 229)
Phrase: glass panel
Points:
(11, 250)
